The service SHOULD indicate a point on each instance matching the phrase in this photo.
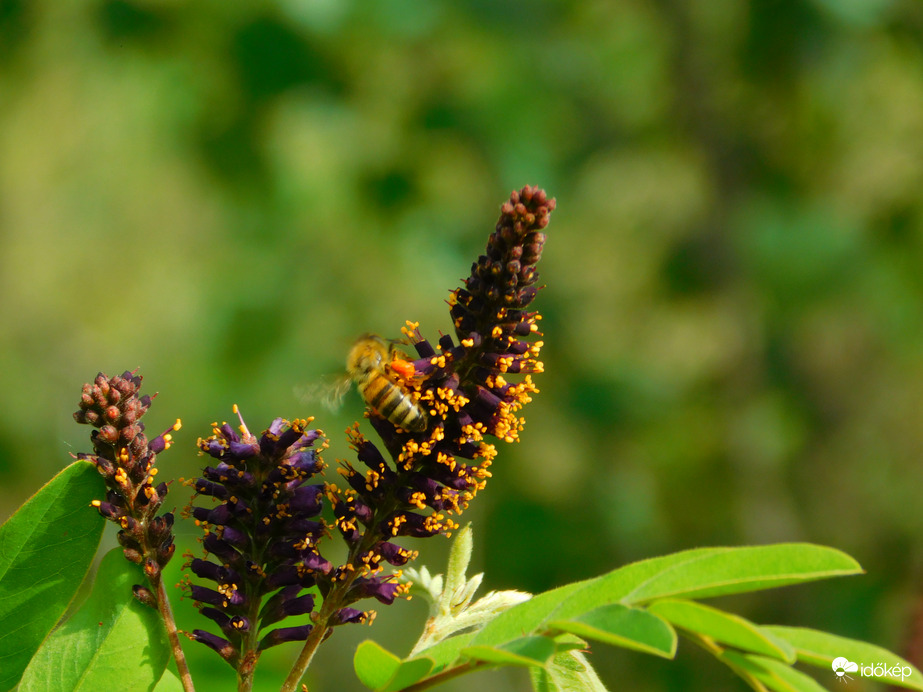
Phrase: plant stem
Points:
(245, 672)
(332, 603)
(318, 633)
(166, 614)
(304, 658)
(250, 650)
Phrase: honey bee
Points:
(372, 364)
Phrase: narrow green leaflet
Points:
(822, 649)
(768, 673)
(567, 672)
(378, 668)
(46, 549)
(112, 642)
(619, 625)
(526, 651)
(746, 569)
(726, 628)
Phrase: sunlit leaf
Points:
(46, 549)
(111, 642)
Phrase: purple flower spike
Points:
(259, 555)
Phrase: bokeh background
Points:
(225, 194)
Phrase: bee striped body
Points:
(366, 365)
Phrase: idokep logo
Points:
(842, 665)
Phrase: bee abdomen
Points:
(394, 404)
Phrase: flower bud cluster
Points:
(125, 459)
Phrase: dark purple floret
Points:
(375, 587)
(224, 648)
(348, 615)
(299, 605)
(285, 634)
(222, 599)
(305, 500)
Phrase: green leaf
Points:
(568, 671)
(378, 668)
(111, 642)
(711, 572)
(739, 570)
(375, 666)
(410, 672)
(821, 649)
(526, 651)
(770, 672)
(46, 549)
(726, 628)
(619, 625)
(169, 682)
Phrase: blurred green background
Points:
(225, 194)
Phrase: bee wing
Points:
(333, 397)
(329, 391)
